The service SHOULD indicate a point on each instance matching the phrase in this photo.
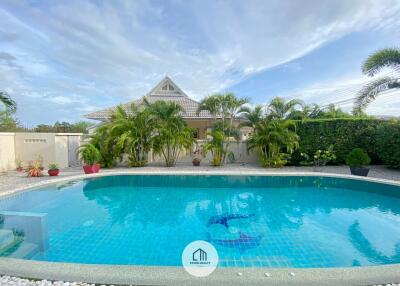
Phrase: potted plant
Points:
(53, 170)
(356, 159)
(196, 160)
(90, 156)
(18, 164)
(35, 169)
(322, 157)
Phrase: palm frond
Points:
(389, 57)
(369, 92)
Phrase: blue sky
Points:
(62, 59)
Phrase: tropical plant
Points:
(358, 157)
(53, 166)
(90, 155)
(251, 117)
(274, 141)
(224, 108)
(322, 157)
(281, 109)
(35, 168)
(133, 130)
(385, 58)
(6, 100)
(171, 134)
(107, 146)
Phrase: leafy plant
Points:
(106, 144)
(388, 144)
(134, 133)
(89, 154)
(171, 134)
(53, 166)
(35, 168)
(224, 108)
(19, 164)
(274, 141)
(322, 157)
(358, 157)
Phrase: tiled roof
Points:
(166, 90)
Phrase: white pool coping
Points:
(164, 275)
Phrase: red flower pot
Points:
(53, 172)
(90, 169)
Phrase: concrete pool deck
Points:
(12, 182)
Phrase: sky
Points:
(60, 60)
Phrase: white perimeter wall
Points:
(52, 147)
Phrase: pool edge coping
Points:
(164, 275)
(170, 275)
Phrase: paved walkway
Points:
(13, 180)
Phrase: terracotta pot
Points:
(90, 169)
(196, 162)
(53, 172)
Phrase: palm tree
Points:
(226, 107)
(103, 140)
(385, 58)
(251, 117)
(6, 100)
(274, 141)
(171, 134)
(279, 108)
(133, 131)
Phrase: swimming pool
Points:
(253, 221)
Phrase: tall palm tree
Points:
(133, 131)
(6, 100)
(385, 58)
(279, 108)
(226, 107)
(171, 134)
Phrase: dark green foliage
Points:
(388, 144)
(344, 134)
(90, 154)
(358, 157)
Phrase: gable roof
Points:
(165, 90)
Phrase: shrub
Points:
(388, 144)
(90, 154)
(358, 157)
(343, 134)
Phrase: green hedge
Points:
(388, 144)
(344, 134)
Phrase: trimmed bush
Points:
(344, 134)
(358, 157)
(388, 144)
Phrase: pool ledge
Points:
(151, 275)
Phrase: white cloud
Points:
(107, 52)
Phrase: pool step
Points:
(26, 250)
(6, 237)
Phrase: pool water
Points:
(253, 221)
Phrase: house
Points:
(167, 90)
